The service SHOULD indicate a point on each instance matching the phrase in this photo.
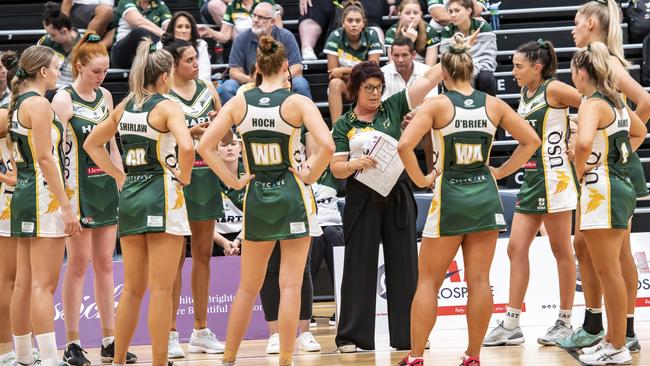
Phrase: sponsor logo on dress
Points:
(500, 220)
(93, 170)
(469, 102)
(27, 227)
(154, 221)
(87, 220)
(531, 165)
(541, 203)
(297, 227)
(264, 101)
(200, 163)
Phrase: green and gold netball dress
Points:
(607, 197)
(151, 200)
(549, 181)
(465, 197)
(277, 204)
(34, 209)
(203, 194)
(93, 193)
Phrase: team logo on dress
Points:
(469, 102)
(595, 199)
(433, 207)
(264, 101)
(6, 213)
(180, 199)
(54, 204)
(386, 123)
(562, 181)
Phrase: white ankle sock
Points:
(511, 320)
(595, 310)
(565, 317)
(47, 349)
(23, 347)
(106, 341)
(75, 341)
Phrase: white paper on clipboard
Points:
(384, 175)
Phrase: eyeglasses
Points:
(261, 17)
(369, 88)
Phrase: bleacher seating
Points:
(521, 20)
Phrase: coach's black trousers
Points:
(368, 220)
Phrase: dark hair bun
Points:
(53, 8)
(9, 60)
(268, 44)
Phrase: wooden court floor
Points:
(446, 348)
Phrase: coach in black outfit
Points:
(369, 218)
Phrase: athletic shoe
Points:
(313, 323)
(308, 54)
(308, 342)
(632, 344)
(73, 355)
(204, 341)
(347, 348)
(580, 338)
(469, 361)
(555, 333)
(608, 355)
(418, 361)
(273, 347)
(8, 359)
(501, 336)
(107, 353)
(174, 349)
(332, 320)
(593, 349)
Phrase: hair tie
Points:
(274, 46)
(542, 43)
(93, 38)
(152, 48)
(603, 2)
(20, 73)
(458, 50)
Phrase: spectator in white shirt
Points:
(401, 73)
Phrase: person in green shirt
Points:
(135, 20)
(346, 47)
(367, 212)
(484, 52)
(410, 25)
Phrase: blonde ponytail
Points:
(30, 63)
(594, 59)
(458, 60)
(148, 65)
(609, 17)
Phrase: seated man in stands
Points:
(92, 15)
(401, 73)
(244, 51)
(318, 16)
(61, 37)
(234, 19)
(484, 52)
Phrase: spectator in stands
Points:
(440, 16)
(8, 62)
(370, 218)
(404, 69)
(60, 37)
(183, 26)
(244, 51)
(484, 52)
(92, 15)
(346, 47)
(137, 19)
(318, 16)
(238, 19)
(422, 35)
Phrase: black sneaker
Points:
(313, 323)
(332, 320)
(73, 355)
(107, 353)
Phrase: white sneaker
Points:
(608, 355)
(593, 349)
(273, 348)
(555, 333)
(500, 336)
(8, 359)
(204, 341)
(174, 349)
(308, 343)
(308, 54)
